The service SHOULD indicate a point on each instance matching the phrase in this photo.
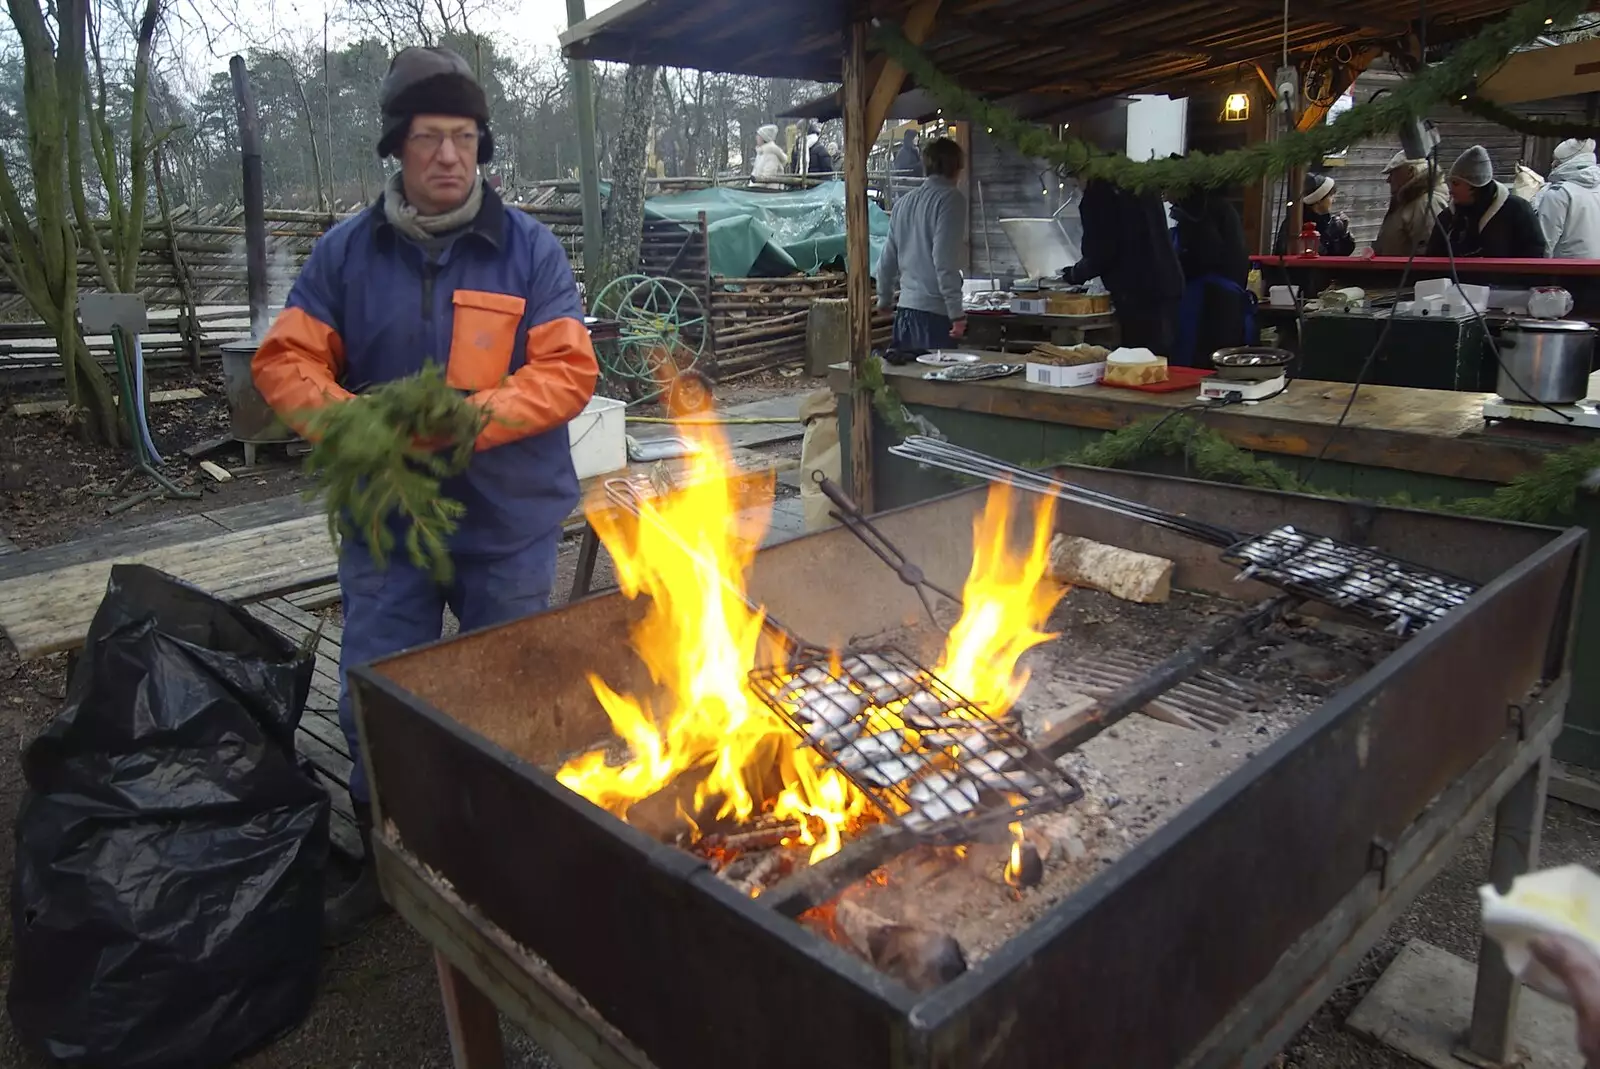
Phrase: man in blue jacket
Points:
(438, 271)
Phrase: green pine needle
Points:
(369, 462)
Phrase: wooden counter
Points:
(1434, 432)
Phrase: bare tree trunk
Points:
(42, 259)
(624, 227)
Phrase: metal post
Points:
(255, 206)
(588, 159)
(1518, 821)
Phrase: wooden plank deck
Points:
(274, 555)
(50, 612)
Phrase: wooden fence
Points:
(192, 275)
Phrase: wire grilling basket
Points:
(929, 759)
(1403, 597)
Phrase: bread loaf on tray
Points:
(1135, 367)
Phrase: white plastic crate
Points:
(599, 437)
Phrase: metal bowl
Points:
(1252, 363)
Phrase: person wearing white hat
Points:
(1333, 229)
(1484, 218)
(1415, 200)
(770, 157)
(1568, 206)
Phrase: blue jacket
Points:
(498, 308)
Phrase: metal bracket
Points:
(1516, 718)
(1378, 853)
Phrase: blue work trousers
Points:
(916, 330)
(387, 610)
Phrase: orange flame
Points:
(1014, 862)
(1006, 600)
(687, 554)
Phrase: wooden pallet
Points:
(320, 739)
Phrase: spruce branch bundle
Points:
(386, 452)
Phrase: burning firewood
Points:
(1122, 573)
(920, 959)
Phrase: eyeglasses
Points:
(430, 141)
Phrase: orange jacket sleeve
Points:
(553, 385)
(298, 363)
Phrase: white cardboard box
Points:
(598, 436)
(1030, 305)
(1062, 376)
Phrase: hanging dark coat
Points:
(1217, 310)
(1126, 244)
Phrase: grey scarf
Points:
(406, 219)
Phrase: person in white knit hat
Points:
(1568, 206)
(771, 160)
(1484, 218)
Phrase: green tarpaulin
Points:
(761, 234)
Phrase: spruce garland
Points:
(385, 453)
(1442, 83)
(1547, 495)
(1522, 124)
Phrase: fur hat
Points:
(1316, 187)
(431, 81)
(1572, 147)
(769, 132)
(1473, 167)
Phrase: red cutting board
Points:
(1178, 378)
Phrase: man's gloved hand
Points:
(1579, 969)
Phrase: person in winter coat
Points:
(922, 258)
(1484, 218)
(1217, 311)
(439, 273)
(770, 158)
(1127, 246)
(1416, 198)
(907, 159)
(1333, 230)
(809, 155)
(1568, 206)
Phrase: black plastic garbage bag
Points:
(167, 905)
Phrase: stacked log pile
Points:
(761, 322)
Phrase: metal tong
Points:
(909, 572)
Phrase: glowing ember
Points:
(699, 640)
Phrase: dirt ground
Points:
(379, 1005)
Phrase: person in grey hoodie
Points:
(1568, 205)
(924, 253)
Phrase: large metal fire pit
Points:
(1207, 944)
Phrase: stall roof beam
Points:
(1088, 49)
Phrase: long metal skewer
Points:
(934, 453)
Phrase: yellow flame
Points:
(1014, 863)
(689, 557)
(1006, 600)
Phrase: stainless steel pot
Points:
(1545, 360)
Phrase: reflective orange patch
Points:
(482, 338)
